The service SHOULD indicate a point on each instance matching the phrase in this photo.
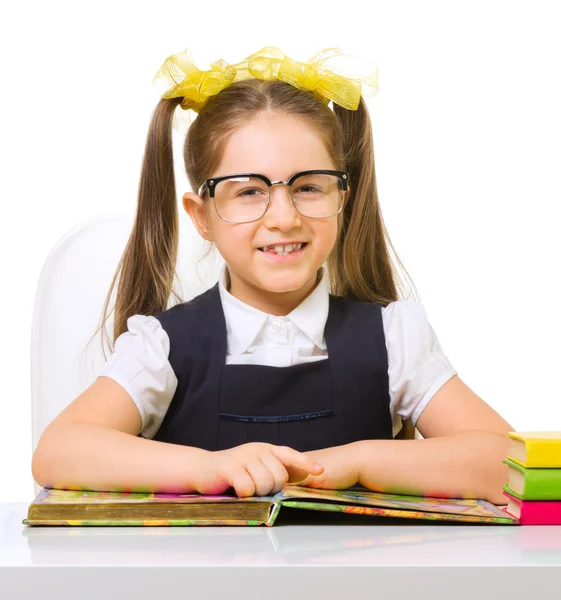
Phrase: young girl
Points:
(301, 363)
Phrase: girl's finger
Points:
(277, 470)
(240, 480)
(262, 478)
(291, 458)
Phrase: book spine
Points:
(275, 508)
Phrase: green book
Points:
(533, 484)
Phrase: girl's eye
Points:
(307, 188)
(248, 192)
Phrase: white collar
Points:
(244, 322)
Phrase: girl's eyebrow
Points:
(242, 173)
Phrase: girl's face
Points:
(277, 146)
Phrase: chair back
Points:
(71, 291)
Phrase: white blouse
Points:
(417, 367)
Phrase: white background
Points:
(467, 144)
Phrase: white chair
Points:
(70, 294)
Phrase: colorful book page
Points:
(457, 506)
(407, 514)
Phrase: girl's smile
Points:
(279, 251)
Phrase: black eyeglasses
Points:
(245, 197)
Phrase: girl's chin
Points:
(283, 283)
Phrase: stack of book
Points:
(534, 486)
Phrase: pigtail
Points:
(361, 266)
(146, 270)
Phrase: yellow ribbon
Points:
(330, 75)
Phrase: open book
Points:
(68, 507)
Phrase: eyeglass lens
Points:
(242, 199)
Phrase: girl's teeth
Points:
(283, 250)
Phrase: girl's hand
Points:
(341, 468)
(253, 469)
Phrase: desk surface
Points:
(395, 556)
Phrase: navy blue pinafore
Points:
(330, 402)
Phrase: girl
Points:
(300, 364)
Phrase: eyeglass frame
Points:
(210, 185)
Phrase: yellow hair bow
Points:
(330, 75)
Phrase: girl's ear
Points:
(341, 214)
(347, 195)
(196, 208)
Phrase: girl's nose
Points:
(281, 212)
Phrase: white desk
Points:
(382, 560)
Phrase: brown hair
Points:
(360, 265)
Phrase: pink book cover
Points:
(534, 512)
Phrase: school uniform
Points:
(215, 372)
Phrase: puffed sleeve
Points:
(140, 364)
(418, 367)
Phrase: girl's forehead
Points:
(277, 147)
(274, 124)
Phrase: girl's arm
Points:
(463, 465)
(461, 455)
(88, 456)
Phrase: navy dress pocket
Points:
(277, 405)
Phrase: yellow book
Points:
(535, 449)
